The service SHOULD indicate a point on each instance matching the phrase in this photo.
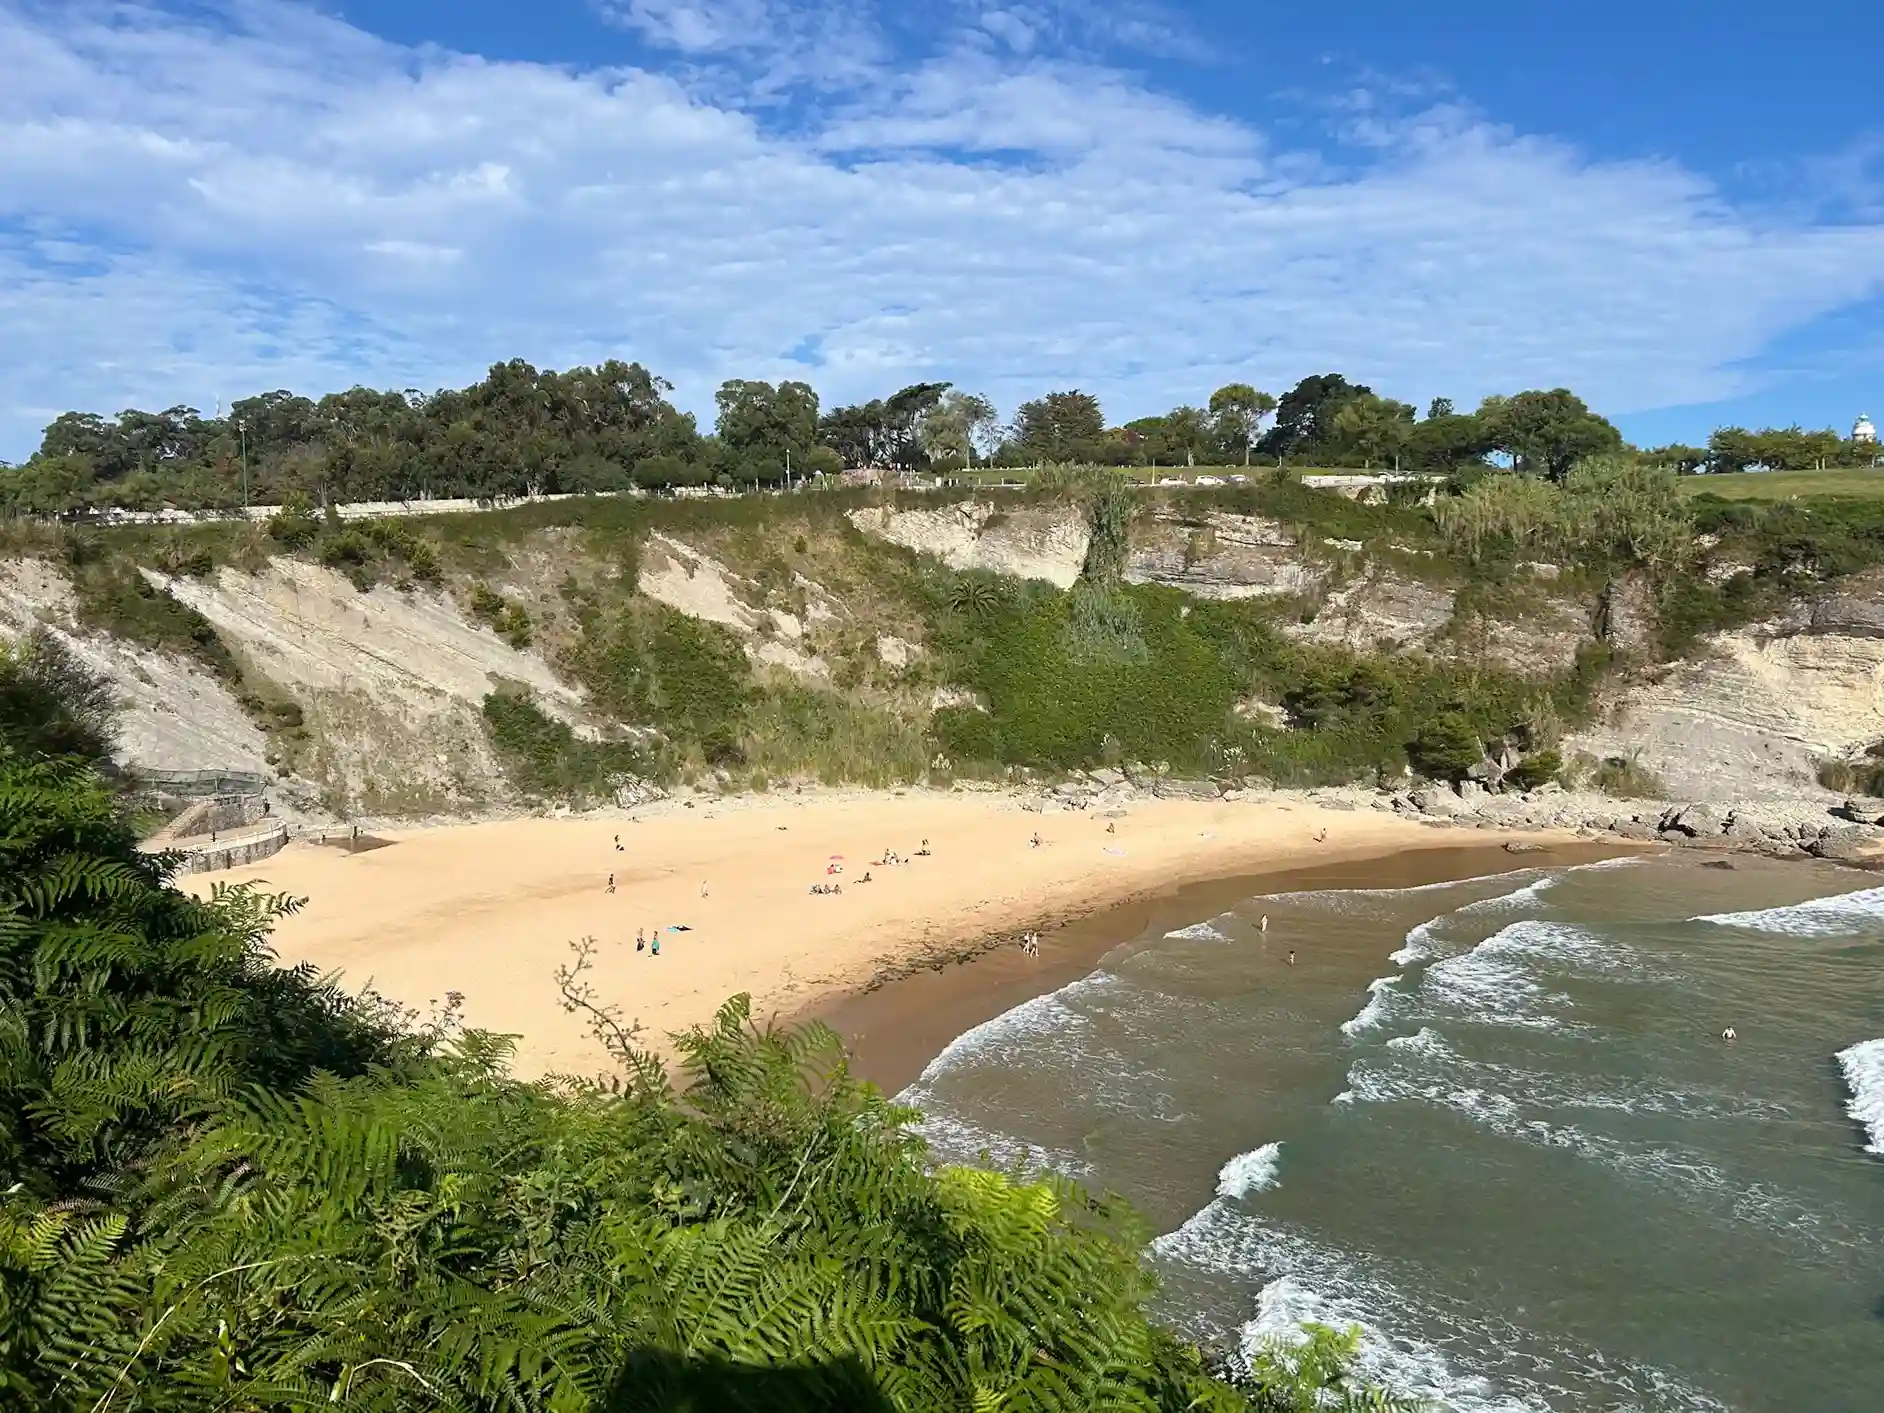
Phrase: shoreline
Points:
(897, 1025)
(490, 911)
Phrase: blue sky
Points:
(1677, 210)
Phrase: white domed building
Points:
(1863, 431)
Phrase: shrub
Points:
(1536, 769)
(544, 758)
(1446, 747)
(1627, 778)
(1848, 777)
(510, 621)
(295, 526)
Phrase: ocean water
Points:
(1493, 1123)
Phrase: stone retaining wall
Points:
(250, 846)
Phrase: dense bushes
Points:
(1060, 694)
(1608, 509)
(653, 666)
(545, 758)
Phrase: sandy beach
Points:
(489, 910)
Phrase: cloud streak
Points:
(193, 208)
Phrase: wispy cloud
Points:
(194, 207)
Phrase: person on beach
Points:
(618, 843)
(703, 884)
(655, 947)
(1034, 843)
(923, 852)
(866, 877)
(611, 883)
(1291, 959)
(1113, 828)
(1321, 836)
(641, 939)
(1263, 926)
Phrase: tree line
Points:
(524, 431)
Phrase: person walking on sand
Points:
(655, 948)
(641, 939)
(1291, 959)
(703, 890)
(1263, 926)
(611, 883)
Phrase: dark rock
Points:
(1861, 811)
(1717, 863)
(1695, 821)
(1523, 846)
(1850, 843)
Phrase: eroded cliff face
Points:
(390, 683)
(174, 714)
(1028, 542)
(1759, 708)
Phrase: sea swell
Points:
(1863, 1065)
(1841, 915)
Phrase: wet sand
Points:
(897, 1027)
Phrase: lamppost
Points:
(242, 436)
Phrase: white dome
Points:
(1862, 430)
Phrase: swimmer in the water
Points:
(1729, 1034)
(1291, 959)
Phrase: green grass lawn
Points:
(1866, 483)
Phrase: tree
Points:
(1237, 411)
(1305, 417)
(1439, 407)
(759, 423)
(1375, 428)
(1684, 460)
(1546, 433)
(1445, 442)
(1062, 426)
(956, 427)
(882, 432)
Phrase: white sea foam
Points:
(1454, 1353)
(1333, 897)
(1419, 943)
(1843, 915)
(1514, 901)
(1564, 946)
(1254, 1171)
(1506, 1101)
(1490, 989)
(1014, 1033)
(1426, 1041)
(1199, 932)
(1863, 1065)
(953, 1139)
(1406, 1365)
(1380, 999)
